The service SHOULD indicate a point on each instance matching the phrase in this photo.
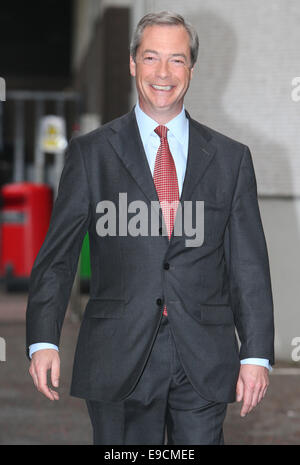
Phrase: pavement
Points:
(27, 418)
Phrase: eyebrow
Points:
(172, 54)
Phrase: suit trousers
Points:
(163, 408)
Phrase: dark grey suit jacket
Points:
(209, 290)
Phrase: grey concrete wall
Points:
(85, 17)
(242, 84)
(282, 229)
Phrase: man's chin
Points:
(165, 106)
(168, 109)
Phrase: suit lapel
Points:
(200, 155)
(126, 141)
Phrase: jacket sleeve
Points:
(248, 267)
(55, 266)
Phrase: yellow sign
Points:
(53, 134)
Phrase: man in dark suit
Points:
(157, 345)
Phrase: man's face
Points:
(162, 71)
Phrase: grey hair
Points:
(164, 18)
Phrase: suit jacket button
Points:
(159, 302)
(166, 266)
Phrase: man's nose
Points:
(162, 69)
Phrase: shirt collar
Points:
(178, 126)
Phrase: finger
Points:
(55, 372)
(255, 398)
(262, 392)
(247, 400)
(55, 394)
(33, 376)
(239, 390)
(265, 390)
(42, 383)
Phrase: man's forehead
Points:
(161, 36)
(164, 30)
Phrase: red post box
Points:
(25, 218)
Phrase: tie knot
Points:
(161, 131)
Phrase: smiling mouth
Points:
(165, 88)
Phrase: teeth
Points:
(162, 87)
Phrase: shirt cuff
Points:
(257, 361)
(41, 345)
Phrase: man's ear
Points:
(132, 66)
(192, 70)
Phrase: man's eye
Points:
(149, 58)
(178, 62)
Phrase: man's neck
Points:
(162, 117)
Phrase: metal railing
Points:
(39, 98)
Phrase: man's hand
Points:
(251, 386)
(42, 361)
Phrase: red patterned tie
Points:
(166, 183)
